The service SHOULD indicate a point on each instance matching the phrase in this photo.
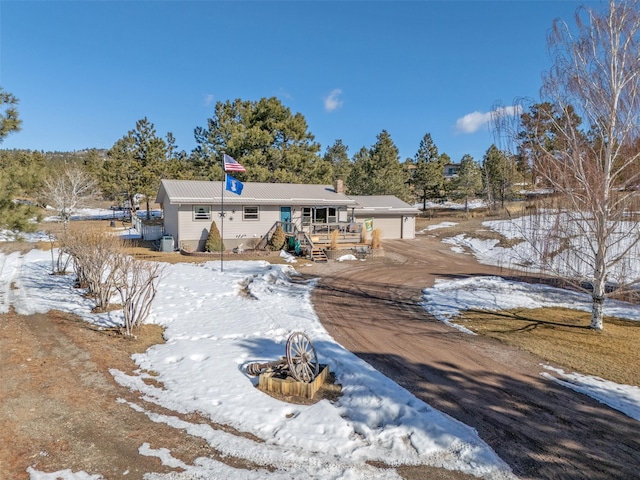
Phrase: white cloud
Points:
(332, 101)
(208, 99)
(473, 121)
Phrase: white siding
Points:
(236, 230)
(392, 227)
(170, 222)
(193, 233)
(409, 228)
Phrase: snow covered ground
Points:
(218, 322)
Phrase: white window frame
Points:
(249, 215)
(201, 212)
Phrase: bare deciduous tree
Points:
(66, 188)
(594, 168)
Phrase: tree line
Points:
(274, 145)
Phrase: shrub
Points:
(334, 239)
(376, 235)
(93, 251)
(278, 239)
(214, 240)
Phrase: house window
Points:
(306, 216)
(319, 215)
(202, 212)
(332, 215)
(250, 213)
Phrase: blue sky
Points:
(86, 71)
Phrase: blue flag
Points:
(234, 185)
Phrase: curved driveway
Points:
(542, 430)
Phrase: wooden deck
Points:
(342, 238)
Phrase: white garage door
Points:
(390, 227)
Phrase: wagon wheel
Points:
(302, 358)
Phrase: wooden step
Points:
(318, 255)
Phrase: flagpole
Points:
(224, 183)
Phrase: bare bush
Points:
(376, 237)
(102, 266)
(334, 239)
(137, 284)
(94, 251)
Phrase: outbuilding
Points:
(395, 218)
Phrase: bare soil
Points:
(60, 407)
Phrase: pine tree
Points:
(272, 143)
(337, 156)
(499, 174)
(9, 121)
(214, 241)
(468, 183)
(428, 176)
(378, 171)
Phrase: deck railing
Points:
(317, 234)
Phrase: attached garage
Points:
(395, 218)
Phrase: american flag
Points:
(230, 165)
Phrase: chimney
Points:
(338, 186)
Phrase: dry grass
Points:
(142, 250)
(562, 336)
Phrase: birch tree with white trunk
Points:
(592, 232)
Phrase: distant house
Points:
(451, 170)
(190, 206)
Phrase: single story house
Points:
(189, 207)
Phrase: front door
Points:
(285, 218)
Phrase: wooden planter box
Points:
(291, 387)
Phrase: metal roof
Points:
(198, 191)
(382, 204)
